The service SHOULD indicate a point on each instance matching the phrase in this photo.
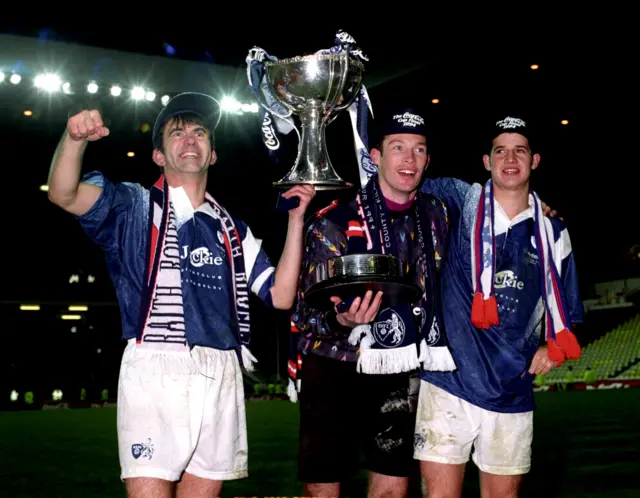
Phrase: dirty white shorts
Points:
(447, 427)
(181, 412)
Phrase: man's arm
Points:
(283, 292)
(451, 190)
(323, 240)
(565, 262)
(65, 189)
(569, 276)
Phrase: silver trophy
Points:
(353, 275)
(316, 88)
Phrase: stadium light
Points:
(137, 93)
(51, 83)
(48, 82)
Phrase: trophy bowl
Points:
(315, 88)
(327, 82)
(353, 275)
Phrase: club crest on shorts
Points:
(389, 329)
(142, 450)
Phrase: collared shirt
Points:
(118, 223)
(493, 364)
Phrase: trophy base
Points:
(318, 184)
(394, 291)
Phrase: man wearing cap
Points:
(183, 268)
(360, 359)
(508, 268)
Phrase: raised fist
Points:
(87, 125)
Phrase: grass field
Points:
(586, 444)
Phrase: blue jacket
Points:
(118, 223)
(493, 364)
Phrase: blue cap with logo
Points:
(200, 104)
(397, 121)
(512, 124)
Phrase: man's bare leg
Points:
(499, 486)
(149, 487)
(442, 480)
(382, 486)
(191, 486)
(322, 490)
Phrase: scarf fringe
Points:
(484, 312)
(564, 347)
(292, 392)
(436, 359)
(566, 340)
(248, 359)
(388, 361)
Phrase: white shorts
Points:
(447, 427)
(181, 412)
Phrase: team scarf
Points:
(162, 320)
(408, 335)
(562, 343)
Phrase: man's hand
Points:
(362, 310)
(87, 125)
(541, 364)
(547, 211)
(305, 193)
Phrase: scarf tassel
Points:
(554, 352)
(436, 359)
(564, 346)
(484, 312)
(248, 359)
(292, 392)
(567, 341)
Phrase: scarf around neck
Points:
(162, 318)
(562, 343)
(401, 338)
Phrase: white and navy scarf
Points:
(162, 320)
(562, 343)
(401, 338)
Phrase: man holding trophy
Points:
(361, 356)
(366, 312)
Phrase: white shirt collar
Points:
(183, 208)
(502, 223)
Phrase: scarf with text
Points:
(162, 320)
(408, 335)
(562, 343)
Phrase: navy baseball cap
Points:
(199, 104)
(397, 121)
(512, 124)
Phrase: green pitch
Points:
(586, 444)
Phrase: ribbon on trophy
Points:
(277, 121)
(359, 108)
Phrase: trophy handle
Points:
(344, 105)
(260, 100)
